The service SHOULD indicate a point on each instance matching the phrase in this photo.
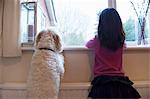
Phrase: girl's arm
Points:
(124, 46)
(91, 43)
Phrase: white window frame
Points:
(111, 4)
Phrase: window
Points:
(41, 20)
(77, 19)
(130, 20)
(34, 18)
(28, 21)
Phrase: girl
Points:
(109, 79)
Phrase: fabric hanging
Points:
(9, 28)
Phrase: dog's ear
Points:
(57, 42)
(38, 37)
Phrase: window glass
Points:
(41, 19)
(34, 18)
(27, 22)
(24, 22)
(77, 19)
(131, 22)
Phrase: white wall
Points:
(78, 65)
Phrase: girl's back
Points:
(109, 80)
(107, 62)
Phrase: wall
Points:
(78, 65)
(136, 64)
(67, 90)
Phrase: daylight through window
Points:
(77, 20)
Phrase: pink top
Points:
(107, 62)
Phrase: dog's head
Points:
(48, 39)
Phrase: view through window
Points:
(131, 22)
(77, 19)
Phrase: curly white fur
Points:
(46, 67)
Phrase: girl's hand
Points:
(124, 46)
(91, 43)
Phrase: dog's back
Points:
(46, 66)
(44, 74)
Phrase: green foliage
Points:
(129, 29)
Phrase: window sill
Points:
(81, 48)
(27, 48)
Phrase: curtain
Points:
(1, 22)
(10, 45)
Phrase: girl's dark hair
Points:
(110, 30)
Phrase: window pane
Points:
(77, 19)
(41, 19)
(34, 18)
(27, 22)
(130, 20)
(24, 22)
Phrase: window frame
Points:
(133, 44)
(38, 6)
(111, 4)
(30, 44)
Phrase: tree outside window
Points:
(77, 19)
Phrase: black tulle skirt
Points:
(114, 87)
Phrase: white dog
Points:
(47, 67)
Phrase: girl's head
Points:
(110, 29)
